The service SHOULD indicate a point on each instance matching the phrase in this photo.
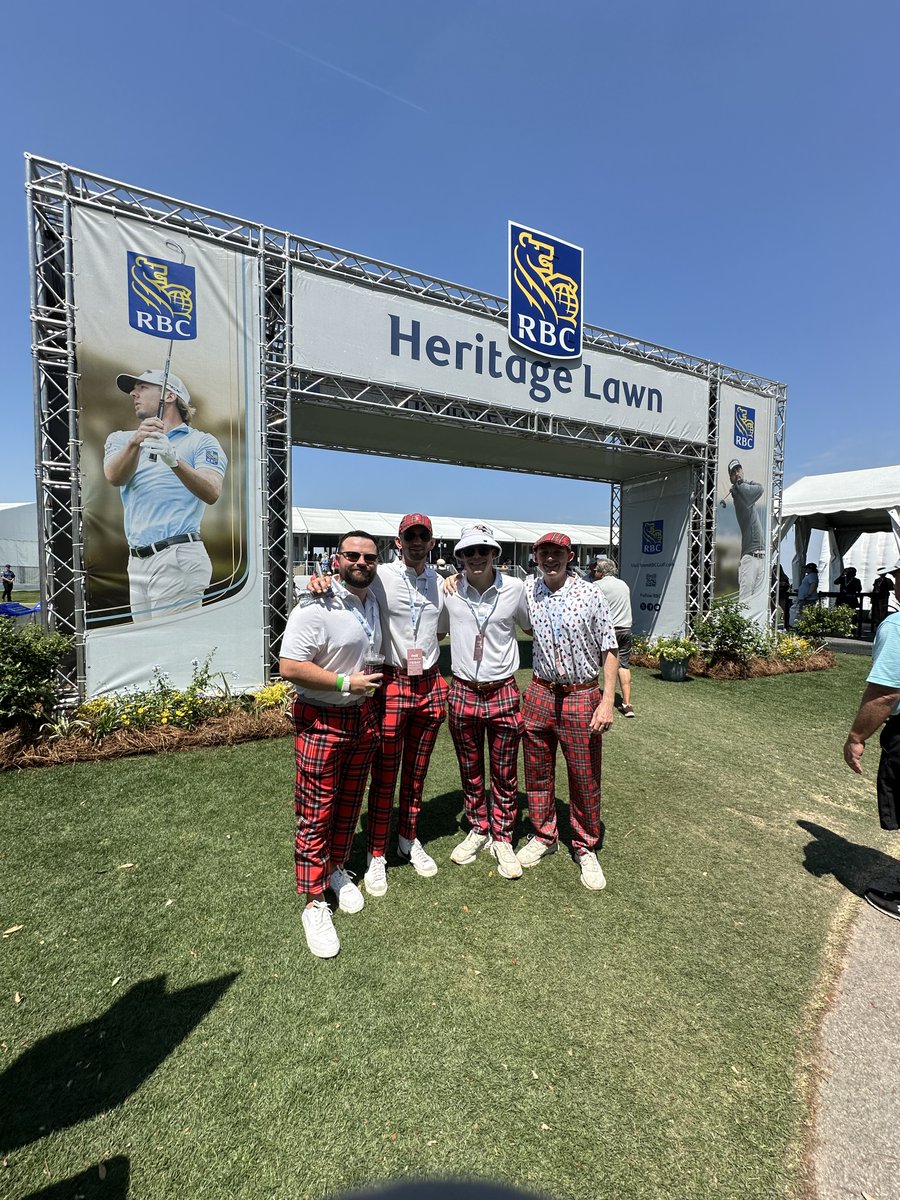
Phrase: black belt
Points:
(155, 547)
(387, 669)
(756, 554)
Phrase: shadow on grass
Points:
(442, 1189)
(88, 1184)
(78, 1073)
(856, 867)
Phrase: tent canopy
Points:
(846, 505)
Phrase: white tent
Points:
(314, 527)
(19, 543)
(847, 506)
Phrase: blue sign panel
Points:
(744, 426)
(545, 293)
(161, 298)
(652, 537)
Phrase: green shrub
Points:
(819, 622)
(726, 634)
(30, 687)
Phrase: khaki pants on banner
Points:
(172, 581)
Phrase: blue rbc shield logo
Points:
(652, 541)
(161, 298)
(744, 426)
(545, 293)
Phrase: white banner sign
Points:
(654, 554)
(341, 328)
(172, 525)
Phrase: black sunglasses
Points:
(354, 556)
(418, 534)
(470, 550)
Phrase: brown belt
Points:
(563, 689)
(493, 686)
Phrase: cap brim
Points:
(125, 383)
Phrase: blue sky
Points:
(731, 171)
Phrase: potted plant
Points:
(673, 654)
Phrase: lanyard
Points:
(481, 626)
(414, 620)
(368, 629)
(556, 619)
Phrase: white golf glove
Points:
(163, 449)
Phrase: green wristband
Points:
(339, 683)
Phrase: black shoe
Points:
(886, 902)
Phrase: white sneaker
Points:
(321, 936)
(414, 852)
(349, 897)
(467, 850)
(591, 872)
(375, 877)
(533, 851)
(507, 864)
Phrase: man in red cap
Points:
(569, 703)
(413, 698)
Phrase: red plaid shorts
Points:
(494, 715)
(549, 721)
(412, 707)
(334, 747)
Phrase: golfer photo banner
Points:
(744, 500)
(168, 409)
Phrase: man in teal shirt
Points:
(880, 706)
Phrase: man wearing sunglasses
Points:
(568, 704)
(413, 699)
(326, 651)
(481, 616)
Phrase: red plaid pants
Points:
(495, 714)
(334, 747)
(413, 707)
(549, 721)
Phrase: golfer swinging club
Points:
(166, 472)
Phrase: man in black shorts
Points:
(618, 596)
(880, 706)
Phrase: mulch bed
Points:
(17, 751)
(757, 668)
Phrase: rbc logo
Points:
(545, 294)
(744, 426)
(652, 541)
(161, 298)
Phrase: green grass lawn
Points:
(651, 1040)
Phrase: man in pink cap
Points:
(412, 699)
(569, 704)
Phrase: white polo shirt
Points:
(412, 604)
(336, 633)
(495, 613)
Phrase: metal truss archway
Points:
(53, 190)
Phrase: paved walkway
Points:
(857, 1150)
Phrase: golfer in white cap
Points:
(166, 472)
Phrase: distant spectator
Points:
(882, 590)
(784, 596)
(849, 588)
(8, 578)
(605, 574)
(808, 592)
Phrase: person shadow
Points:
(76, 1074)
(108, 1180)
(854, 866)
